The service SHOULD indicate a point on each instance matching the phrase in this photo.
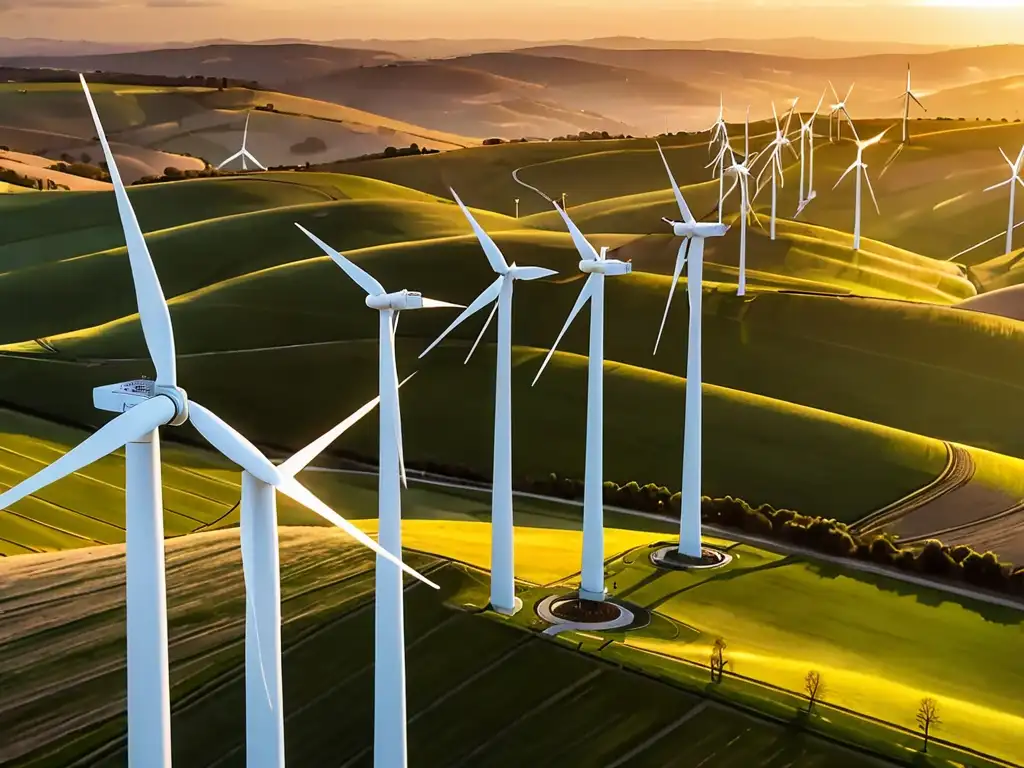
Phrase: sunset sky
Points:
(940, 21)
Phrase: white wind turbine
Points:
(719, 133)
(741, 172)
(264, 692)
(907, 97)
(243, 152)
(774, 163)
(694, 233)
(807, 138)
(1015, 169)
(144, 406)
(596, 266)
(861, 169)
(838, 112)
(503, 597)
(389, 724)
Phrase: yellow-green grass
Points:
(1002, 271)
(864, 358)
(87, 508)
(73, 702)
(880, 645)
(6, 188)
(751, 443)
(90, 289)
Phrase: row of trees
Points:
(13, 177)
(591, 136)
(814, 690)
(23, 75)
(828, 536)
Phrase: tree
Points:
(86, 158)
(928, 718)
(814, 687)
(718, 660)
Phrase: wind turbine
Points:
(839, 111)
(861, 169)
(596, 267)
(144, 406)
(1015, 169)
(741, 172)
(503, 598)
(774, 164)
(907, 96)
(389, 729)
(243, 152)
(720, 133)
(807, 156)
(694, 233)
(264, 691)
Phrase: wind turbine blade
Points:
(494, 255)
(817, 109)
(850, 91)
(871, 189)
(292, 488)
(397, 421)
(1020, 159)
(845, 174)
(245, 132)
(1009, 162)
(230, 159)
(585, 293)
(1000, 184)
(530, 273)
(684, 249)
(249, 154)
(834, 93)
(489, 294)
(299, 461)
(362, 278)
(892, 159)
(483, 330)
(232, 444)
(153, 313)
(583, 246)
(434, 304)
(922, 106)
(775, 115)
(684, 210)
(245, 542)
(116, 433)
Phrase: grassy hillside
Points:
(327, 604)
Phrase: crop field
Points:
(327, 603)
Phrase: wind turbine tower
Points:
(807, 138)
(741, 172)
(908, 97)
(596, 266)
(503, 595)
(861, 169)
(694, 233)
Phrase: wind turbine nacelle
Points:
(699, 229)
(606, 267)
(398, 302)
(118, 398)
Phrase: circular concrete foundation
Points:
(569, 611)
(669, 557)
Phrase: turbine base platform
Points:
(517, 606)
(596, 597)
(570, 611)
(668, 557)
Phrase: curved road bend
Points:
(959, 471)
(725, 533)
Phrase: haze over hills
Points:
(552, 90)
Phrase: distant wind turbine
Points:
(839, 111)
(503, 593)
(907, 96)
(389, 723)
(861, 169)
(774, 163)
(719, 133)
(243, 152)
(596, 266)
(741, 173)
(807, 138)
(694, 233)
(1015, 169)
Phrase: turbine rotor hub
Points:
(179, 397)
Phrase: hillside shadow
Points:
(928, 596)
